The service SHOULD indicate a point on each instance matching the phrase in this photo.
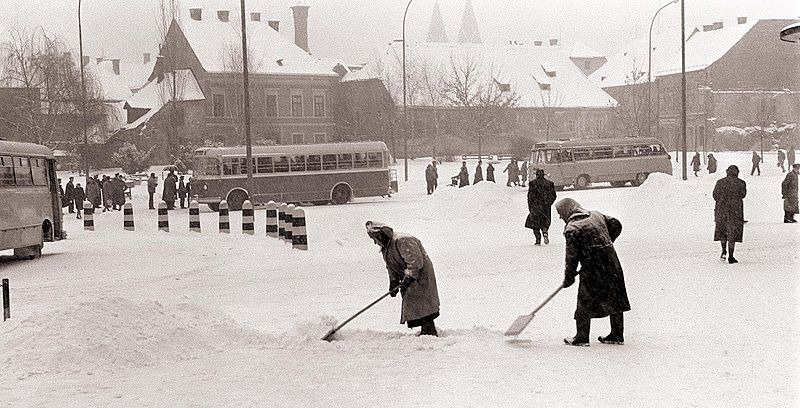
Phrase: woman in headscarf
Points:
(729, 193)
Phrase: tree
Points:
(546, 111)
(631, 109)
(763, 116)
(131, 159)
(169, 62)
(432, 83)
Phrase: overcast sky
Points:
(355, 30)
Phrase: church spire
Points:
(436, 31)
(469, 26)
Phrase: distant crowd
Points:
(517, 175)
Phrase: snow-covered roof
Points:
(157, 93)
(581, 50)
(520, 66)
(705, 47)
(216, 43)
(113, 87)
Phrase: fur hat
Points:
(732, 170)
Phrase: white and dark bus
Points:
(30, 205)
(316, 173)
(616, 161)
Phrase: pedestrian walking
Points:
(729, 193)
(512, 170)
(93, 192)
(170, 192)
(152, 183)
(189, 189)
(61, 195)
(756, 163)
(478, 173)
(108, 194)
(463, 175)
(781, 159)
(712, 164)
(78, 195)
(118, 196)
(789, 192)
(490, 172)
(429, 177)
(435, 174)
(790, 155)
(411, 273)
(523, 172)
(182, 192)
(696, 163)
(590, 237)
(541, 196)
(69, 195)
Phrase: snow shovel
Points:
(332, 331)
(522, 321)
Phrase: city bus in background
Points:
(30, 205)
(315, 173)
(581, 162)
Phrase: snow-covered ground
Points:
(146, 318)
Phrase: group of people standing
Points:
(517, 176)
(174, 187)
(102, 191)
(711, 166)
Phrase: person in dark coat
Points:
(512, 170)
(478, 173)
(523, 172)
(411, 273)
(463, 175)
(712, 164)
(541, 195)
(490, 173)
(61, 194)
(93, 192)
(169, 194)
(78, 196)
(729, 193)
(189, 189)
(429, 178)
(790, 156)
(696, 163)
(589, 243)
(108, 194)
(781, 159)
(756, 164)
(182, 192)
(789, 192)
(69, 195)
(435, 174)
(152, 183)
(119, 191)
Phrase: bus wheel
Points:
(639, 180)
(341, 194)
(582, 181)
(618, 183)
(213, 206)
(235, 200)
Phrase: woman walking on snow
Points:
(729, 193)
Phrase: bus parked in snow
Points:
(582, 162)
(30, 205)
(317, 173)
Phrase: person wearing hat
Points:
(789, 191)
(541, 196)
(729, 193)
(590, 237)
(78, 195)
(411, 273)
(712, 163)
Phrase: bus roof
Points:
(622, 141)
(316, 148)
(24, 149)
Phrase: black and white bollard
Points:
(282, 221)
(248, 226)
(299, 238)
(224, 220)
(272, 219)
(6, 300)
(88, 216)
(194, 216)
(163, 217)
(288, 219)
(127, 217)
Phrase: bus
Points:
(316, 173)
(617, 161)
(30, 204)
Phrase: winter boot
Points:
(576, 342)
(429, 329)
(611, 339)
(546, 238)
(732, 260)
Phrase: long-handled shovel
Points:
(522, 321)
(331, 332)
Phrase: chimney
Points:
(275, 24)
(86, 60)
(708, 27)
(98, 60)
(537, 43)
(196, 14)
(717, 25)
(223, 15)
(115, 65)
(145, 58)
(554, 41)
(741, 20)
(300, 14)
(255, 16)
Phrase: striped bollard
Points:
(224, 221)
(288, 220)
(194, 216)
(88, 216)
(6, 300)
(299, 238)
(163, 217)
(127, 217)
(272, 219)
(282, 221)
(247, 218)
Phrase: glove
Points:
(407, 281)
(393, 284)
(568, 281)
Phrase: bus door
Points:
(562, 158)
(55, 201)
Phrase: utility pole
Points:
(83, 99)
(246, 93)
(683, 87)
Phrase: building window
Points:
(272, 105)
(297, 138)
(319, 137)
(218, 105)
(257, 105)
(297, 106)
(319, 106)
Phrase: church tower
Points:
(436, 32)
(469, 32)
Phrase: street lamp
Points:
(246, 96)
(405, 98)
(649, 63)
(83, 99)
(683, 87)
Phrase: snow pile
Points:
(474, 202)
(111, 334)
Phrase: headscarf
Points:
(732, 171)
(566, 207)
(379, 232)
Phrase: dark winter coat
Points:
(523, 172)
(781, 157)
(789, 191)
(170, 190)
(478, 174)
(490, 173)
(119, 191)
(181, 189)
(512, 170)
(93, 192)
(696, 163)
(463, 177)
(712, 164)
(79, 196)
(589, 243)
(729, 193)
(152, 183)
(430, 173)
(69, 192)
(541, 195)
(108, 191)
(790, 156)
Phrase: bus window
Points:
(657, 150)
(6, 171)
(264, 165)
(243, 165)
(623, 151)
(360, 160)
(314, 162)
(22, 171)
(566, 156)
(329, 162)
(581, 154)
(298, 163)
(345, 160)
(553, 156)
(230, 166)
(601, 153)
(375, 159)
(642, 150)
(209, 166)
(39, 172)
(282, 164)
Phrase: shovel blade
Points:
(329, 336)
(519, 325)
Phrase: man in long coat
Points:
(152, 183)
(69, 195)
(411, 273)
(589, 237)
(478, 173)
(541, 195)
(170, 191)
(696, 163)
(729, 193)
(93, 192)
(712, 163)
(429, 177)
(789, 191)
(463, 175)
(490, 173)
(790, 156)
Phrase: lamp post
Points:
(650, 64)
(83, 99)
(246, 96)
(683, 88)
(405, 98)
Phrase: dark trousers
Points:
(71, 206)
(183, 202)
(583, 324)
(150, 203)
(430, 187)
(755, 167)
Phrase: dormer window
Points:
(549, 70)
(196, 14)
(544, 87)
(223, 15)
